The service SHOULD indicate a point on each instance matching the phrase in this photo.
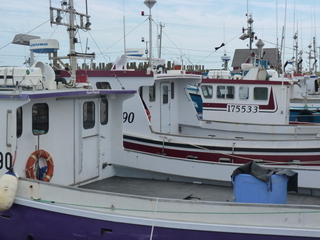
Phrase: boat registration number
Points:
(242, 108)
(5, 160)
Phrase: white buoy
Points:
(8, 189)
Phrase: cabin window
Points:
(152, 93)
(225, 92)
(207, 91)
(165, 94)
(19, 122)
(103, 85)
(172, 90)
(104, 111)
(40, 118)
(221, 92)
(230, 92)
(243, 92)
(260, 93)
(88, 115)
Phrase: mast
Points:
(314, 56)
(250, 34)
(225, 58)
(72, 40)
(124, 31)
(295, 48)
(150, 4)
(56, 18)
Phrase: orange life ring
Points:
(32, 160)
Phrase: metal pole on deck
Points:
(150, 4)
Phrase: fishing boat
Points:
(61, 146)
(243, 119)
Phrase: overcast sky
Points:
(192, 29)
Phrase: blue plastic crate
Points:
(249, 189)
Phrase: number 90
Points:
(128, 117)
(5, 161)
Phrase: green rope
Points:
(179, 212)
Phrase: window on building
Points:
(40, 118)
(88, 115)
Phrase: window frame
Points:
(205, 89)
(88, 115)
(258, 95)
(19, 119)
(43, 119)
(104, 102)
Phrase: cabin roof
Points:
(244, 82)
(50, 94)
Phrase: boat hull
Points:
(23, 222)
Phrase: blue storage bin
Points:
(249, 189)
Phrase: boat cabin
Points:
(74, 127)
(245, 101)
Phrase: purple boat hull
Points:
(21, 222)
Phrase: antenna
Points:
(250, 33)
(160, 38)
(71, 28)
(283, 33)
(124, 30)
(225, 58)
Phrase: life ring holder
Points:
(305, 116)
(34, 158)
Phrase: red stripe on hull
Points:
(214, 156)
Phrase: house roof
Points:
(241, 56)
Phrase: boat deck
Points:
(179, 190)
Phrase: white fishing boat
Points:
(61, 146)
(244, 119)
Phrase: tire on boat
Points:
(305, 116)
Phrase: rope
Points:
(176, 212)
(26, 33)
(154, 218)
(216, 50)
(122, 37)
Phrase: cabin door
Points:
(165, 93)
(87, 149)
